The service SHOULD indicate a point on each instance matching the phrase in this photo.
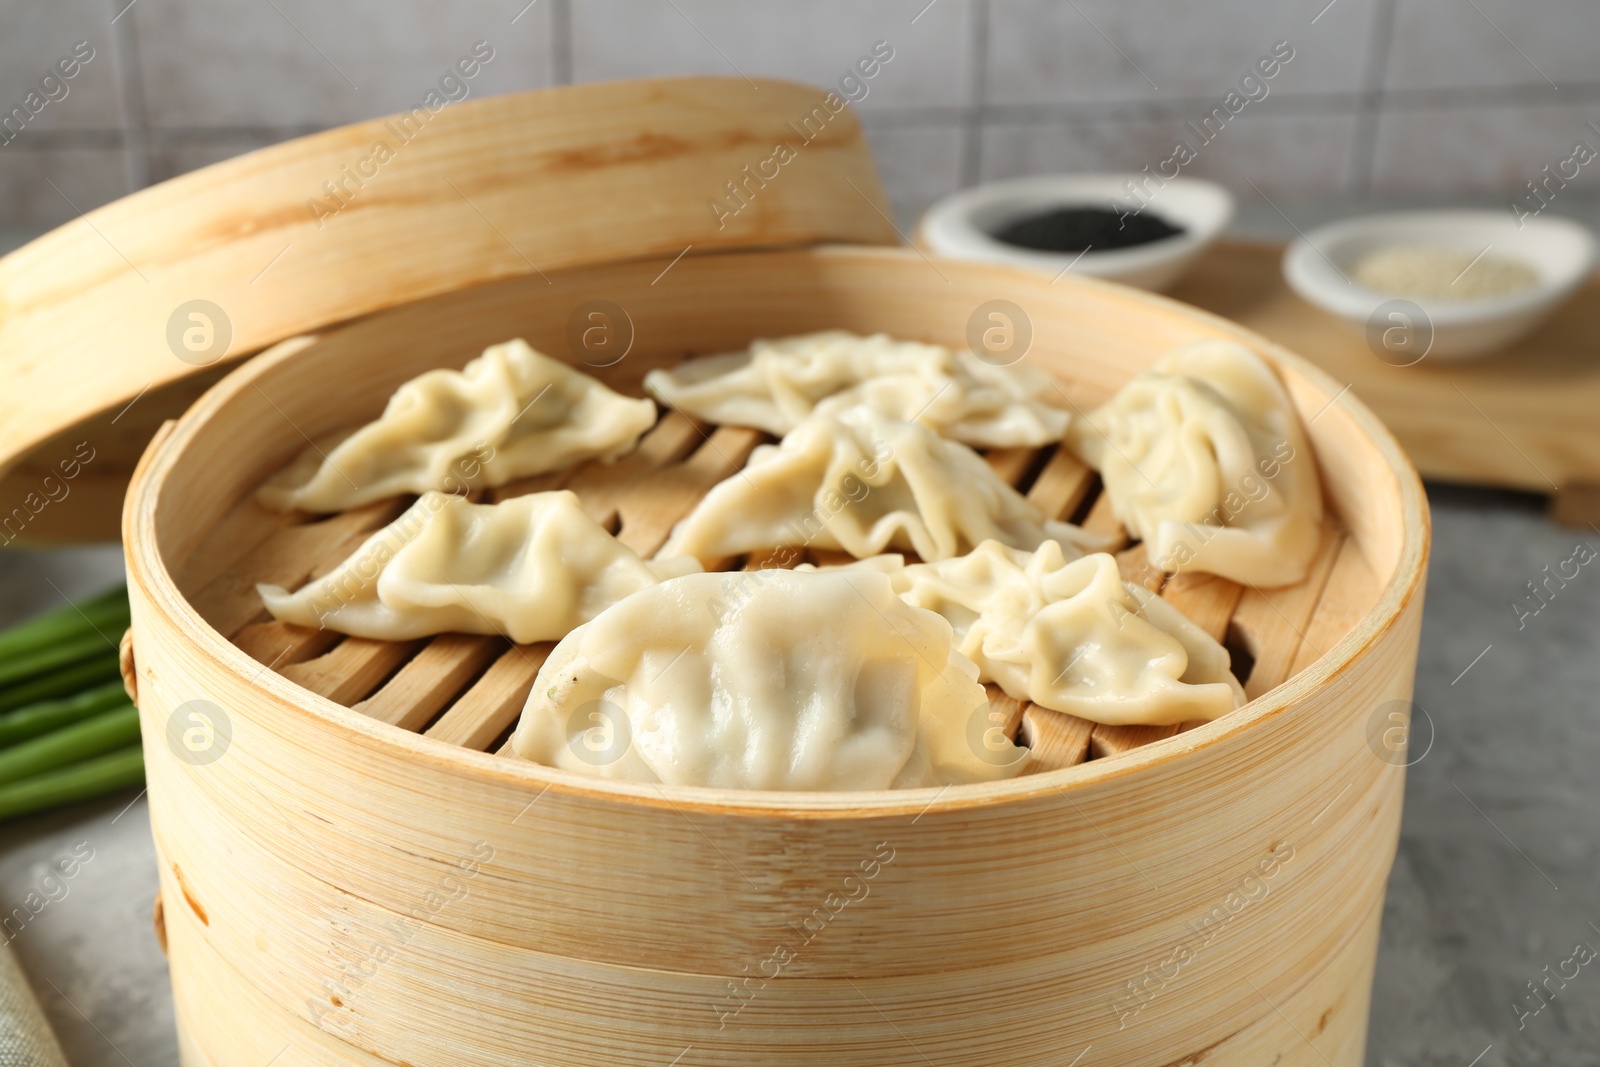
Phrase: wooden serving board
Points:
(469, 690)
(1526, 418)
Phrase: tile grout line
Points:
(972, 118)
(135, 132)
(914, 117)
(561, 42)
(1369, 113)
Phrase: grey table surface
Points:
(1497, 877)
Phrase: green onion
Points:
(65, 681)
(49, 715)
(122, 769)
(61, 654)
(67, 729)
(106, 612)
(106, 732)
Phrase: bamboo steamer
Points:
(605, 923)
(352, 874)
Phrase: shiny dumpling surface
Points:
(1071, 635)
(864, 483)
(776, 384)
(532, 568)
(511, 413)
(1207, 462)
(770, 679)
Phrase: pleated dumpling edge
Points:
(1070, 634)
(1206, 460)
(530, 568)
(511, 413)
(773, 679)
(776, 384)
(858, 480)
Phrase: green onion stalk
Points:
(68, 732)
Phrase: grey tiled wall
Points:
(1444, 97)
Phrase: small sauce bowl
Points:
(961, 226)
(1318, 266)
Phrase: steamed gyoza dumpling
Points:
(1206, 461)
(776, 384)
(768, 679)
(862, 482)
(532, 568)
(511, 413)
(1071, 635)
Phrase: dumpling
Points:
(862, 482)
(768, 679)
(532, 568)
(1070, 634)
(1206, 461)
(775, 384)
(511, 413)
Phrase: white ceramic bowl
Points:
(960, 225)
(1317, 265)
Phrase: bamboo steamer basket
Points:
(351, 873)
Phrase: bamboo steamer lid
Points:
(120, 319)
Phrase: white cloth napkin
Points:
(25, 1038)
